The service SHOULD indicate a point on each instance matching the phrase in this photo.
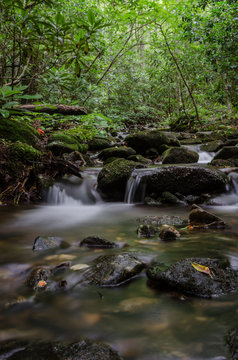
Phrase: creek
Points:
(140, 322)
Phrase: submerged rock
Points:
(147, 231)
(82, 350)
(175, 155)
(97, 242)
(113, 177)
(232, 342)
(163, 220)
(38, 274)
(169, 233)
(49, 242)
(201, 217)
(143, 141)
(113, 270)
(182, 276)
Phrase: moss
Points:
(63, 138)
(23, 152)
(99, 143)
(175, 155)
(17, 130)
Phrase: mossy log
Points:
(54, 109)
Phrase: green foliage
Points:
(23, 152)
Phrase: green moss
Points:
(63, 138)
(23, 152)
(17, 130)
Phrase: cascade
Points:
(230, 198)
(135, 190)
(204, 156)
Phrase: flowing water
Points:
(140, 322)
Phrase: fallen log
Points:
(54, 109)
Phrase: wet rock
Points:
(113, 177)
(146, 231)
(145, 140)
(61, 269)
(99, 143)
(169, 198)
(139, 158)
(221, 163)
(82, 350)
(229, 153)
(201, 217)
(113, 270)
(39, 273)
(212, 146)
(175, 155)
(163, 220)
(49, 242)
(193, 199)
(187, 180)
(152, 202)
(169, 233)
(118, 152)
(182, 276)
(97, 242)
(232, 342)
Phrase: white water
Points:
(204, 156)
(229, 201)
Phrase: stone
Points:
(186, 180)
(139, 158)
(212, 146)
(169, 198)
(201, 217)
(40, 350)
(175, 155)
(118, 152)
(183, 277)
(99, 143)
(228, 153)
(146, 231)
(232, 342)
(48, 243)
(113, 270)
(169, 233)
(163, 220)
(39, 273)
(142, 141)
(97, 242)
(112, 179)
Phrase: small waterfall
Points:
(135, 190)
(204, 156)
(230, 198)
(75, 191)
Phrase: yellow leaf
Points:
(41, 284)
(79, 267)
(202, 268)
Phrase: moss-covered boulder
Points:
(118, 152)
(143, 141)
(182, 276)
(113, 177)
(229, 153)
(23, 152)
(139, 158)
(18, 130)
(99, 143)
(60, 143)
(176, 155)
(186, 180)
(212, 146)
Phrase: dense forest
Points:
(118, 179)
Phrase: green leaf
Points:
(60, 20)
(86, 48)
(77, 69)
(91, 17)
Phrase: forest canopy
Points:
(131, 60)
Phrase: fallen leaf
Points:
(61, 257)
(79, 267)
(41, 284)
(202, 268)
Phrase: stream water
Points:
(138, 321)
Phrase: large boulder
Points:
(176, 155)
(212, 146)
(99, 143)
(185, 180)
(60, 143)
(113, 177)
(117, 152)
(112, 270)
(143, 141)
(228, 153)
(217, 279)
(39, 350)
(18, 130)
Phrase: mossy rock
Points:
(118, 152)
(175, 155)
(227, 153)
(113, 177)
(221, 163)
(142, 141)
(59, 147)
(63, 138)
(23, 152)
(18, 130)
(139, 158)
(99, 143)
(182, 276)
(211, 146)
(182, 122)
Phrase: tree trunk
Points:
(54, 109)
